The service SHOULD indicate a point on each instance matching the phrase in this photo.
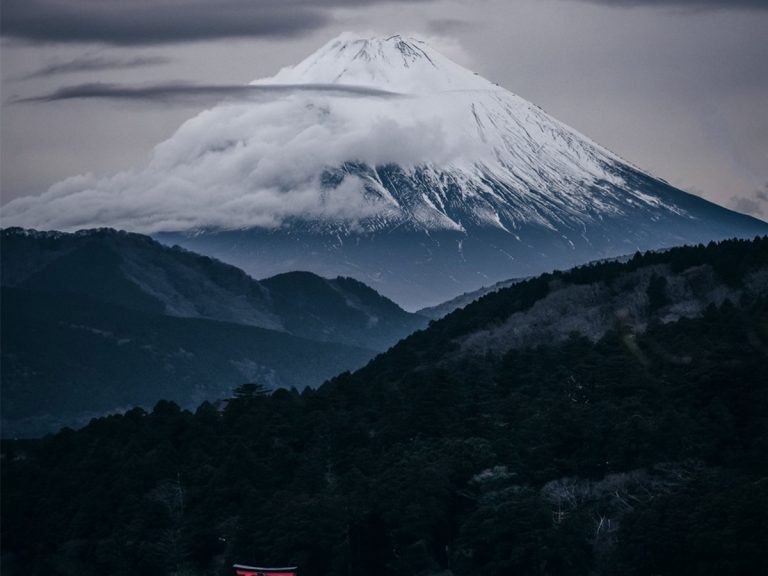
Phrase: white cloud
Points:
(253, 163)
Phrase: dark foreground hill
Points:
(101, 320)
(67, 359)
(610, 420)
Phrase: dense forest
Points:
(639, 451)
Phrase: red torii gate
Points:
(242, 570)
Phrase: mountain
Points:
(100, 319)
(340, 310)
(608, 420)
(627, 296)
(445, 308)
(67, 359)
(136, 272)
(382, 160)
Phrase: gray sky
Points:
(678, 87)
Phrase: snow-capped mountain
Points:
(381, 159)
(486, 157)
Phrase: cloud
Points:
(154, 22)
(756, 204)
(94, 63)
(695, 5)
(185, 92)
(141, 22)
(450, 25)
(242, 164)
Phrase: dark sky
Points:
(678, 87)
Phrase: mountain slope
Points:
(99, 320)
(590, 301)
(135, 272)
(67, 359)
(338, 310)
(382, 160)
(445, 308)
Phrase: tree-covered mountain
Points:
(67, 359)
(445, 308)
(136, 272)
(101, 320)
(628, 438)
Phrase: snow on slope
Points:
(471, 153)
(395, 63)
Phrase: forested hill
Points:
(609, 420)
(134, 271)
(103, 320)
(592, 300)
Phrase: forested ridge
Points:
(642, 450)
(98, 321)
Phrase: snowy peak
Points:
(394, 63)
(450, 152)
(383, 160)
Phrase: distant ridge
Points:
(101, 320)
(437, 312)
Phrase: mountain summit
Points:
(396, 63)
(473, 154)
(381, 159)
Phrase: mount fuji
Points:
(383, 160)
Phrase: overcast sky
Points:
(678, 87)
